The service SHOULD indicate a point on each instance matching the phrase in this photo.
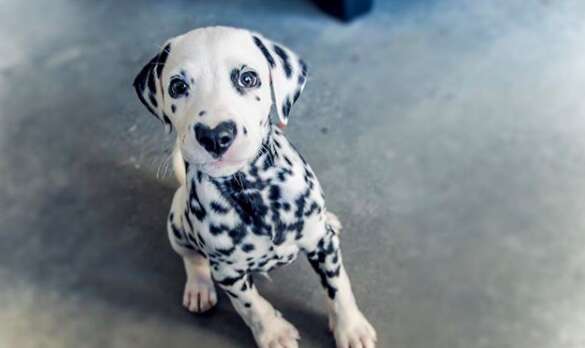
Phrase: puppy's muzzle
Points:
(216, 141)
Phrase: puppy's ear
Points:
(149, 88)
(288, 75)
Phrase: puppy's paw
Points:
(353, 331)
(277, 333)
(199, 295)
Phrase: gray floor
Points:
(449, 136)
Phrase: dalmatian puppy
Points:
(248, 201)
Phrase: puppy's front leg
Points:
(199, 295)
(270, 330)
(350, 327)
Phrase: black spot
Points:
(247, 248)
(151, 83)
(279, 233)
(216, 230)
(162, 60)
(188, 219)
(193, 240)
(237, 234)
(264, 51)
(274, 193)
(263, 263)
(150, 109)
(167, 120)
(195, 203)
(312, 209)
(286, 107)
(302, 80)
(283, 173)
(152, 100)
(218, 208)
(202, 113)
(335, 257)
(300, 203)
(303, 68)
(201, 241)
(287, 160)
(231, 294)
(176, 231)
(225, 252)
(245, 131)
(173, 108)
(296, 96)
(258, 98)
(247, 305)
(284, 58)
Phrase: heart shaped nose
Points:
(216, 141)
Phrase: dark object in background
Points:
(346, 10)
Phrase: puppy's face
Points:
(216, 87)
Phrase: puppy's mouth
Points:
(222, 166)
(223, 162)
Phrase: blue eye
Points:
(249, 79)
(178, 87)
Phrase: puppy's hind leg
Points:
(199, 294)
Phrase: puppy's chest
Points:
(239, 211)
(252, 222)
(248, 229)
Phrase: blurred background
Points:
(448, 136)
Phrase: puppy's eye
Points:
(178, 88)
(249, 79)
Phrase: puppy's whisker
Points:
(163, 167)
(268, 152)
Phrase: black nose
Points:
(217, 140)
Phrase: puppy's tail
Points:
(179, 166)
(333, 222)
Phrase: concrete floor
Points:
(448, 135)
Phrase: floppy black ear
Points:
(288, 75)
(149, 88)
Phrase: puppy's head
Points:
(216, 87)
